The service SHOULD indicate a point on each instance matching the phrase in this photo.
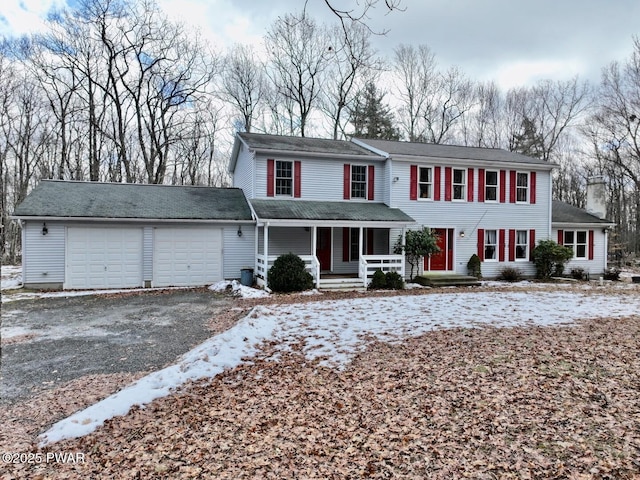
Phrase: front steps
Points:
(446, 280)
(336, 284)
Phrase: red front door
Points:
(443, 260)
(323, 248)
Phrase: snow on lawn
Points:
(237, 289)
(336, 330)
(11, 277)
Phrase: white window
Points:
(577, 241)
(522, 187)
(284, 178)
(491, 186)
(459, 184)
(522, 245)
(490, 245)
(358, 181)
(425, 182)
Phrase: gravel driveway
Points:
(59, 339)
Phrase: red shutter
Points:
(436, 183)
(512, 186)
(512, 245)
(413, 185)
(532, 243)
(560, 237)
(447, 184)
(501, 242)
(270, 177)
(346, 244)
(481, 244)
(470, 185)
(591, 241)
(347, 181)
(481, 185)
(371, 182)
(503, 186)
(297, 179)
(369, 241)
(532, 187)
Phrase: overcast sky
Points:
(514, 42)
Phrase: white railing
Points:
(387, 263)
(311, 263)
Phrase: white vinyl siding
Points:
(43, 255)
(147, 255)
(244, 174)
(103, 257)
(238, 251)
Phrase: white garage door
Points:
(103, 257)
(187, 256)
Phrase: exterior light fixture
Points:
(462, 234)
(45, 230)
(240, 231)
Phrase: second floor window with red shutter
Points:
(522, 187)
(358, 181)
(425, 182)
(284, 178)
(459, 184)
(491, 186)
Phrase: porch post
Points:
(256, 249)
(266, 252)
(314, 240)
(360, 242)
(404, 238)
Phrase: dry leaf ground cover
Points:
(521, 402)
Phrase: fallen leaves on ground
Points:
(486, 403)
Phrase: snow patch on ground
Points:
(11, 277)
(237, 289)
(336, 330)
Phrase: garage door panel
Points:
(187, 256)
(103, 257)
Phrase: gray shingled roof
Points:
(263, 142)
(52, 198)
(450, 151)
(337, 211)
(565, 213)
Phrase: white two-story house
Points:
(341, 205)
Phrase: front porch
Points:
(332, 255)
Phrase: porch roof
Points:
(338, 212)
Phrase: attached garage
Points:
(90, 235)
(184, 256)
(109, 257)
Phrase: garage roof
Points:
(337, 211)
(71, 199)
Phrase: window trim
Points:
(276, 178)
(527, 189)
(366, 182)
(463, 185)
(574, 244)
(494, 245)
(525, 245)
(419, 183)
(496, 186)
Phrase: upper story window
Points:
(491, 186)
(358, 181)
(522, 244)
(425, 182)
(490, 244)
(522, 187)
(577, 241)
(459, 184)
(284, 178)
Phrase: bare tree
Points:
(360, 13)
(352, 61)
(244, 83)
(298, 52)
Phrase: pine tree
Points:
(371, 118)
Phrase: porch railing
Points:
(311, 263)
(387, 263)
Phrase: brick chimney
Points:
(596, 197)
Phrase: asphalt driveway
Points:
(65, 338)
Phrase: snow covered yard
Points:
(372, 385)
